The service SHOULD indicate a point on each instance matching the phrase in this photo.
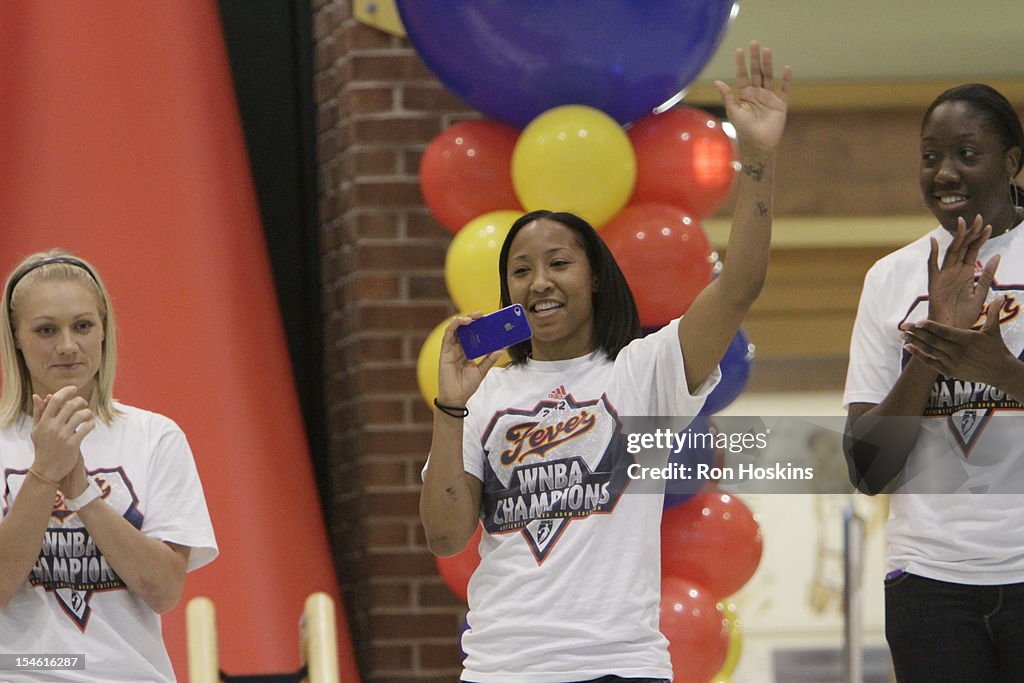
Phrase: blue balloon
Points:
(515, 60)
(680, 490)
(735, 365)
(463, 627)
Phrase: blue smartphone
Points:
(494, 331)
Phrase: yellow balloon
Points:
(426, 363)
(574, 158)
(732, 655)
(471, 265)
(428, 359)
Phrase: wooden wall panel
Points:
(802, 322)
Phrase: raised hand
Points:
(955, 297)
(458, 377)
(60, 423)
(756, 108)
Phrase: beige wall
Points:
(882, 41)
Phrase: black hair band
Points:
(454, 411)
(70, 260)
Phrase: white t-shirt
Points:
(963, 518)
(73, 602)
(568, 585)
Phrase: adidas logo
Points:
(559, 393)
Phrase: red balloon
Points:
(683, 158)
(712, 539)
(665, 256)
(696, 628)
(466, 171)
(457, 569)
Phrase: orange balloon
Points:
(696, 628)
(466, 171)
(457, 569)
(712, 539)
(665, 256)
(684, 158)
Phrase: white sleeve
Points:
(472, 439)
(874, 349)
(176, 510)
(651, 372)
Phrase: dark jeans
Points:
(954, 633)
(620, 679)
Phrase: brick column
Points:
(383, 266)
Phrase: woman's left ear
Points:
(594, 288)
(1013, 161)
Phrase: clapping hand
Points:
(967, 354)
(955, 295)
(60, 422)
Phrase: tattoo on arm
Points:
(762, 209)
(755, 171)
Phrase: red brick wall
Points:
(383, 265)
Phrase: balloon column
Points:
(712, 544)
(557, 81)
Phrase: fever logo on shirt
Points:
(559, 461)
(69, 563)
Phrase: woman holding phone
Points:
(568, 585)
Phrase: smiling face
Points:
(549, 274)
(59, 332)
(965, 170)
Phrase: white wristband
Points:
(91, 493)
